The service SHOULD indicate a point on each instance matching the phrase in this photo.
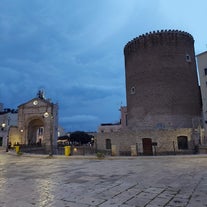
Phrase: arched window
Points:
(182, 142)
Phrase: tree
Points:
(80, 137)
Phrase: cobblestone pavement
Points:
(168, 181)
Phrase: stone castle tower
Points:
(161, 81)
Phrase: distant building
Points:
(114, 127)
(8, 118)
(109, 127)
(202, 68)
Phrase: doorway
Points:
(147, 146)
(35, 132)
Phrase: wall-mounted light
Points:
(46, 114)
(3, 125)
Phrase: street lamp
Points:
(3, 125)
(47, 115)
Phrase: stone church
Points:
(37, 123)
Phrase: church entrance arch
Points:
(35, 132)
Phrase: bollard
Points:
(17, 149)
(67, 150)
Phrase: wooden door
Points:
(147, 146)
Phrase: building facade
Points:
(8, 118)
(163, 97)
(37, 123)
(202, 68)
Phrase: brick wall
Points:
(161, 81)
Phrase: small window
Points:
(205, 71)
(182, 142)
(133, 90)
(40, 131)
(188, 58)
(108, 144)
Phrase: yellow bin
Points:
(67, 150)
(17, 149)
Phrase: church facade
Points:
(37, 123)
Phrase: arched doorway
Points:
(147, 146)
(35, 132)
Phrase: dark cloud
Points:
(74, 51)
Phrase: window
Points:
(182, 142)
(188, 58)
(205, 71)
(132, 90)
(40, 131)
(108, 144)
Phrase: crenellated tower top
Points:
(156, 38)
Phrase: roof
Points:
(39, 99)
(201, 53)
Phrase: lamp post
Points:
(3, 126)
(47, 115)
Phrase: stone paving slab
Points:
(171, 181)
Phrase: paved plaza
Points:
(30, 181)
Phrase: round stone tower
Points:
(161, 81)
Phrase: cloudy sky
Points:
(73, 50)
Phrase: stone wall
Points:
(14, 136)
(166, 140)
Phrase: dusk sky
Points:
(73, 50)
